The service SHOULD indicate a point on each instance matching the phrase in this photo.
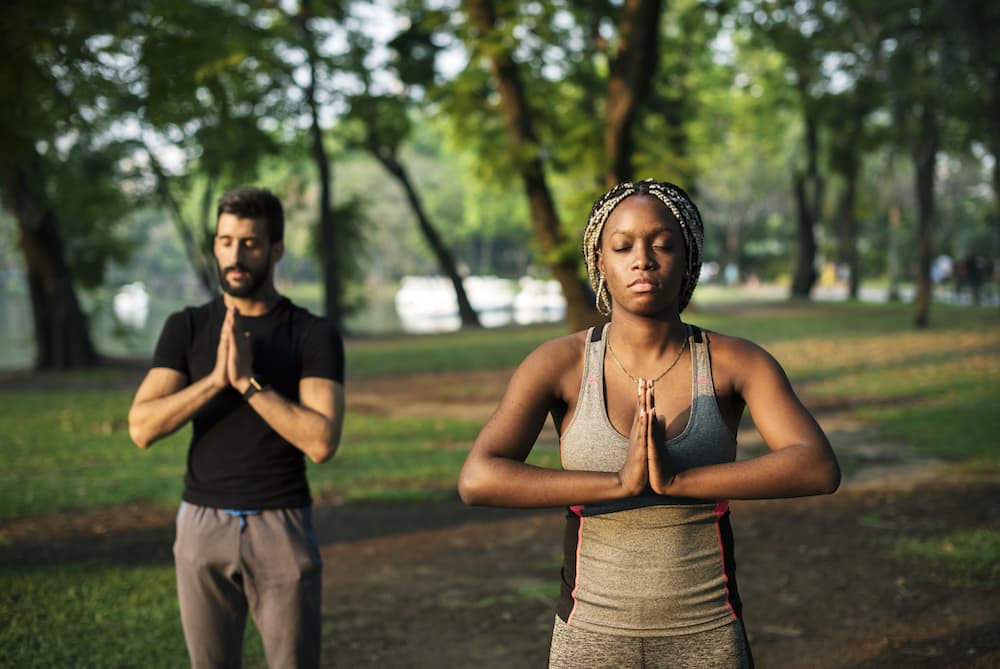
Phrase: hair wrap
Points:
(674, 199)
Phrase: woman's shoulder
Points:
(567, 349)
(733, 350)
(735, 360)
(556, 365)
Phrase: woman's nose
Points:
(642, 257)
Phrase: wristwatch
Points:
(256, 385)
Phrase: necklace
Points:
(662, 374)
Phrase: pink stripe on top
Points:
(578, 512)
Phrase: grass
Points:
(456, 351)
(93, 615)
(966, 559)
(934, 390)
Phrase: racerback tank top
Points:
(650, 565)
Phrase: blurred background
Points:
(438, 159)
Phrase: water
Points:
(127, 322)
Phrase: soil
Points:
(437, 584)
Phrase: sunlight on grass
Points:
(402, 458)
(459, 351)
(93, 615)
(85, 615)
(935, 391)
(71, 450)
(969, 559)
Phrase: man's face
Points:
(244, 255)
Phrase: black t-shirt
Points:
(236, 461)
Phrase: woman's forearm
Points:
(795, 471)
(498, 481)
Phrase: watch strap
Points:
(256, 385)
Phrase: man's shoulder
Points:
(304, 317)
(214, 305)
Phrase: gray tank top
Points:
(649, 565)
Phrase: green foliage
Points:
(86, 192)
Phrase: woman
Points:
(648, 455)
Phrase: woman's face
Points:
(642, 256)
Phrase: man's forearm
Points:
(153, 419)
(309, 431)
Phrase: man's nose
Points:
(229, 255)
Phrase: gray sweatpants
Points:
(722, 648)
(267, 562)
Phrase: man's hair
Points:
(673, 198)
(259, 204)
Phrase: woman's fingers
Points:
(634, 473)
(657, 479)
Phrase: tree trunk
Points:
(804, 272)
(996, 209)
(895, 224)
(62, 336)
(925, 152)
(849, 226)
(733, 242)
(327, 224)
(809, 199)
(556, 251)
(629, 84)
(444, 258)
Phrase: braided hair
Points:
(682, 208)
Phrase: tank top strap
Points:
(593, 365)
(592, 383)
(701, 369)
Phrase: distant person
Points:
(261, 380)
(647, 409)
(972, 276)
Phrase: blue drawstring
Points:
(241, 514)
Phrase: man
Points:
(261, 380)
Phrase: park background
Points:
(844, 157)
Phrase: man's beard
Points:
(257, 277)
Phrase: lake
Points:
(127, 322)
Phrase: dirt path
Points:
(818, 586)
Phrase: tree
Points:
(210, 81)
(525, 146)
(60, 61)
(327, 222)
(384, 124)
(974, 27)
(629, 84)
(918, 74)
